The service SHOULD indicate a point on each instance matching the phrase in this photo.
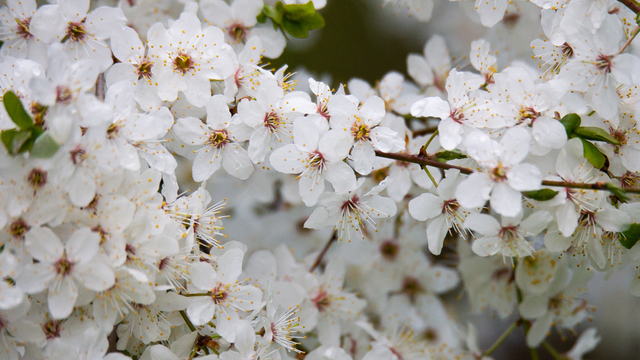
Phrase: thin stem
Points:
(634, 33)
(422, 160)
(556, 355)
(186, 319)
(501, 339)
(333, 239)
(430, 140)
(430, 176)
(631, 4)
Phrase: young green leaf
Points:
(16, 111)
(540, 195)
(570, 122)
(631, 236)
(7, 139)
(595, 134)
(44, 147)
(617, 191)
(20, 142)
(591, 153)
(446, 155)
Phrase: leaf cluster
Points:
(28, 136)
(293, 19)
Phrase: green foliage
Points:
(446, 155)
(595, 134)
(617, 191)
(591, 153)
(27, 134)
(294, 19)
(631, 236)
(540, 195)
(570, 122)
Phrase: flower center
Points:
(144, 69)
(508, 233)
(587, 218)
(219, 294)
(498, 173)
(183, 63)
(527, 115)
(411, 287)
(22, 30)
(457, 115)
(316, 161)
(629, 179)
(113, 130)
(604, 63)
(218, 139)
(322, 301)
(238, 32)
(450, 206)
(51, 328)
(37, 178)
(102, 232)
(360, 131)
(78, 155)
(18, 228)
(351, 204)
(272, 121)
(63, 266)
(75, 32)
(38, 111)
(63, 95)
(567, 51)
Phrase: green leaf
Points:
(570, 122)
(7, 139)
(591, 153)
(44, 147)
(595, 134)
(16, 111)
(20, 142)
(262, 17)
(617, 191)
(540, 195)
(273, 14)
(315, 22)
(631, 236)
(446, 155)
(298, 12)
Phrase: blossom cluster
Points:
(527, 176)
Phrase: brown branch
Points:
(421, 160)
(424, 131)
(333, 239)
(424, 160)
(631, 4)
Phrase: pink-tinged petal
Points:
(83, 245)
(201, 310)
(425, 206)
(524, 177)
(95, 276)
(436, 232)
(505, 200)
(43, 244)
(474, 191)
(62, 297)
